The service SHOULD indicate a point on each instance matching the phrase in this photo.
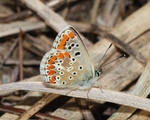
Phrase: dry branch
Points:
(37, 106)
(94, 93)
(127, 31)
(142, 89)
(51, 18)
(19, 111)
(14, 27)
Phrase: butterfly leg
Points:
(85, 90)
(88, 92)
(100, 88)
(91, 88)
(71, 91)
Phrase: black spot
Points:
(69, 47)
(80, 67)
(73, 59)
(77, 45)
(60, 61)
(63, 82)
(74, 73)
(70, 77)
(61, 73)
(72, 45)
(77, 54)
(58, 78)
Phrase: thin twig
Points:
(16, 16)
(19, 111)
(94, 11)
(87, 114)
(21, 56)
(37, 106)
(10, 51)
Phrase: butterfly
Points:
(68, 63)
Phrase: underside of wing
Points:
(68, 63)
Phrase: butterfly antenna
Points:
(104, 55)
(123, 55)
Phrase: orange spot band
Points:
(60, 55)
(67, 54)
(52, 79)
(54, 57)
(51, 72)
(65, 37)
(71, 34)
(62, 42)
(50, 67)
(51, 61)
(61, 47)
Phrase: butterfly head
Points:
(98, 72)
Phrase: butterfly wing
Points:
(68, 63)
